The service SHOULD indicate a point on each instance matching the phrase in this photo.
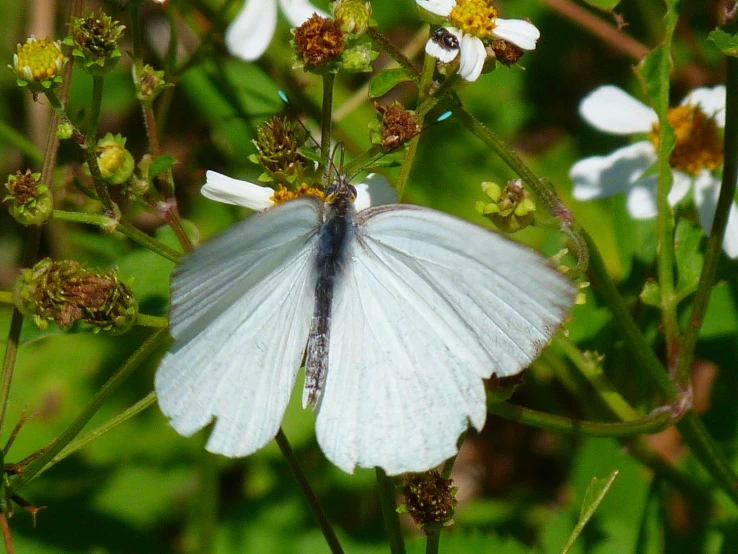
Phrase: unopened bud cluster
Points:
(94, 38)
(511, 209)
(115, 162)
(65, 292)
(28, 201)
(149, 83)
(430, 500)
(325, 45)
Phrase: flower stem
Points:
(656, 421)
(722, 211)
(82, 441)
(155, 321)
(307, 492)
(325, 123)
(429, 66)
(106, 223)
(431, 542)
(381, 41)
(389, 512)
(33, 469)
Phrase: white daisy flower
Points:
(374, 191)
(696, 156)
(249, 34)
(472, 24)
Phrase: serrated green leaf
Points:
(160, 164)
(651, 294)
(605, 5)
(385, 81)
(596, 492)
(725, 42)
(689, 258)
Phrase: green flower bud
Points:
(29, 202)
(511, 209)
(115, 162)
(94, 38)
(149, 82)
(38, 64)
(358, 59)
(430, 500)
(65, 292)
(353, 15)
(64, 130)
(278, 141)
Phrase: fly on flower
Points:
(472, 26)
(398, 311)
(695, 160)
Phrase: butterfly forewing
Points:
(241, 310)
(429, 306)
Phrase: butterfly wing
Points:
(428, 307)
(241, 310)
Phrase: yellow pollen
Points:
(474, 17)
(41, 59)
(698, 142)
(283, 194)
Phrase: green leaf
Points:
(596, 492)
(385, 81)
(651, 294)
(605, 5)
(160, 165)
(689, 258)
(725, 42)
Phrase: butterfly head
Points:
(340, 193)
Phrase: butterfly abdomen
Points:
(334, 238)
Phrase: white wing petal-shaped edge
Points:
(241, 310)
(441, 304)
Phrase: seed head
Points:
(277, 143)
(29, 202)
(430, 500)
(396, 126)
(318, 42)
(94, 38)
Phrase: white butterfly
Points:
(404, 310)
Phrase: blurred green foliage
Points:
(136, 489)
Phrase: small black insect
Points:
(445, 39)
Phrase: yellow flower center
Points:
(39, 59)
(283, 194)
(698, 142)
(474, 17)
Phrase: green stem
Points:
(154, 321)
(426, 77)
(98, 83)
(106, 223)
(431, 542)
(389, 512)
(722, 211)
(84, 440)
(656, 421)
(645, 357)
(325, 123)
(307, 492)
(32, 470)
(205, 510)
(381, 41)
(16, 321)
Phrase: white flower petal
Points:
(375, 190)
(706, 192)
(521, 33)
(613, 110)
(432, 48)
(710, 100)
(603, 176)
(251, 32)
(438, 7)
(299, 11)
(222, 188)
(472, 58)
(641, 201)
(679, 188)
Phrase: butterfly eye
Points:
(352, 192)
